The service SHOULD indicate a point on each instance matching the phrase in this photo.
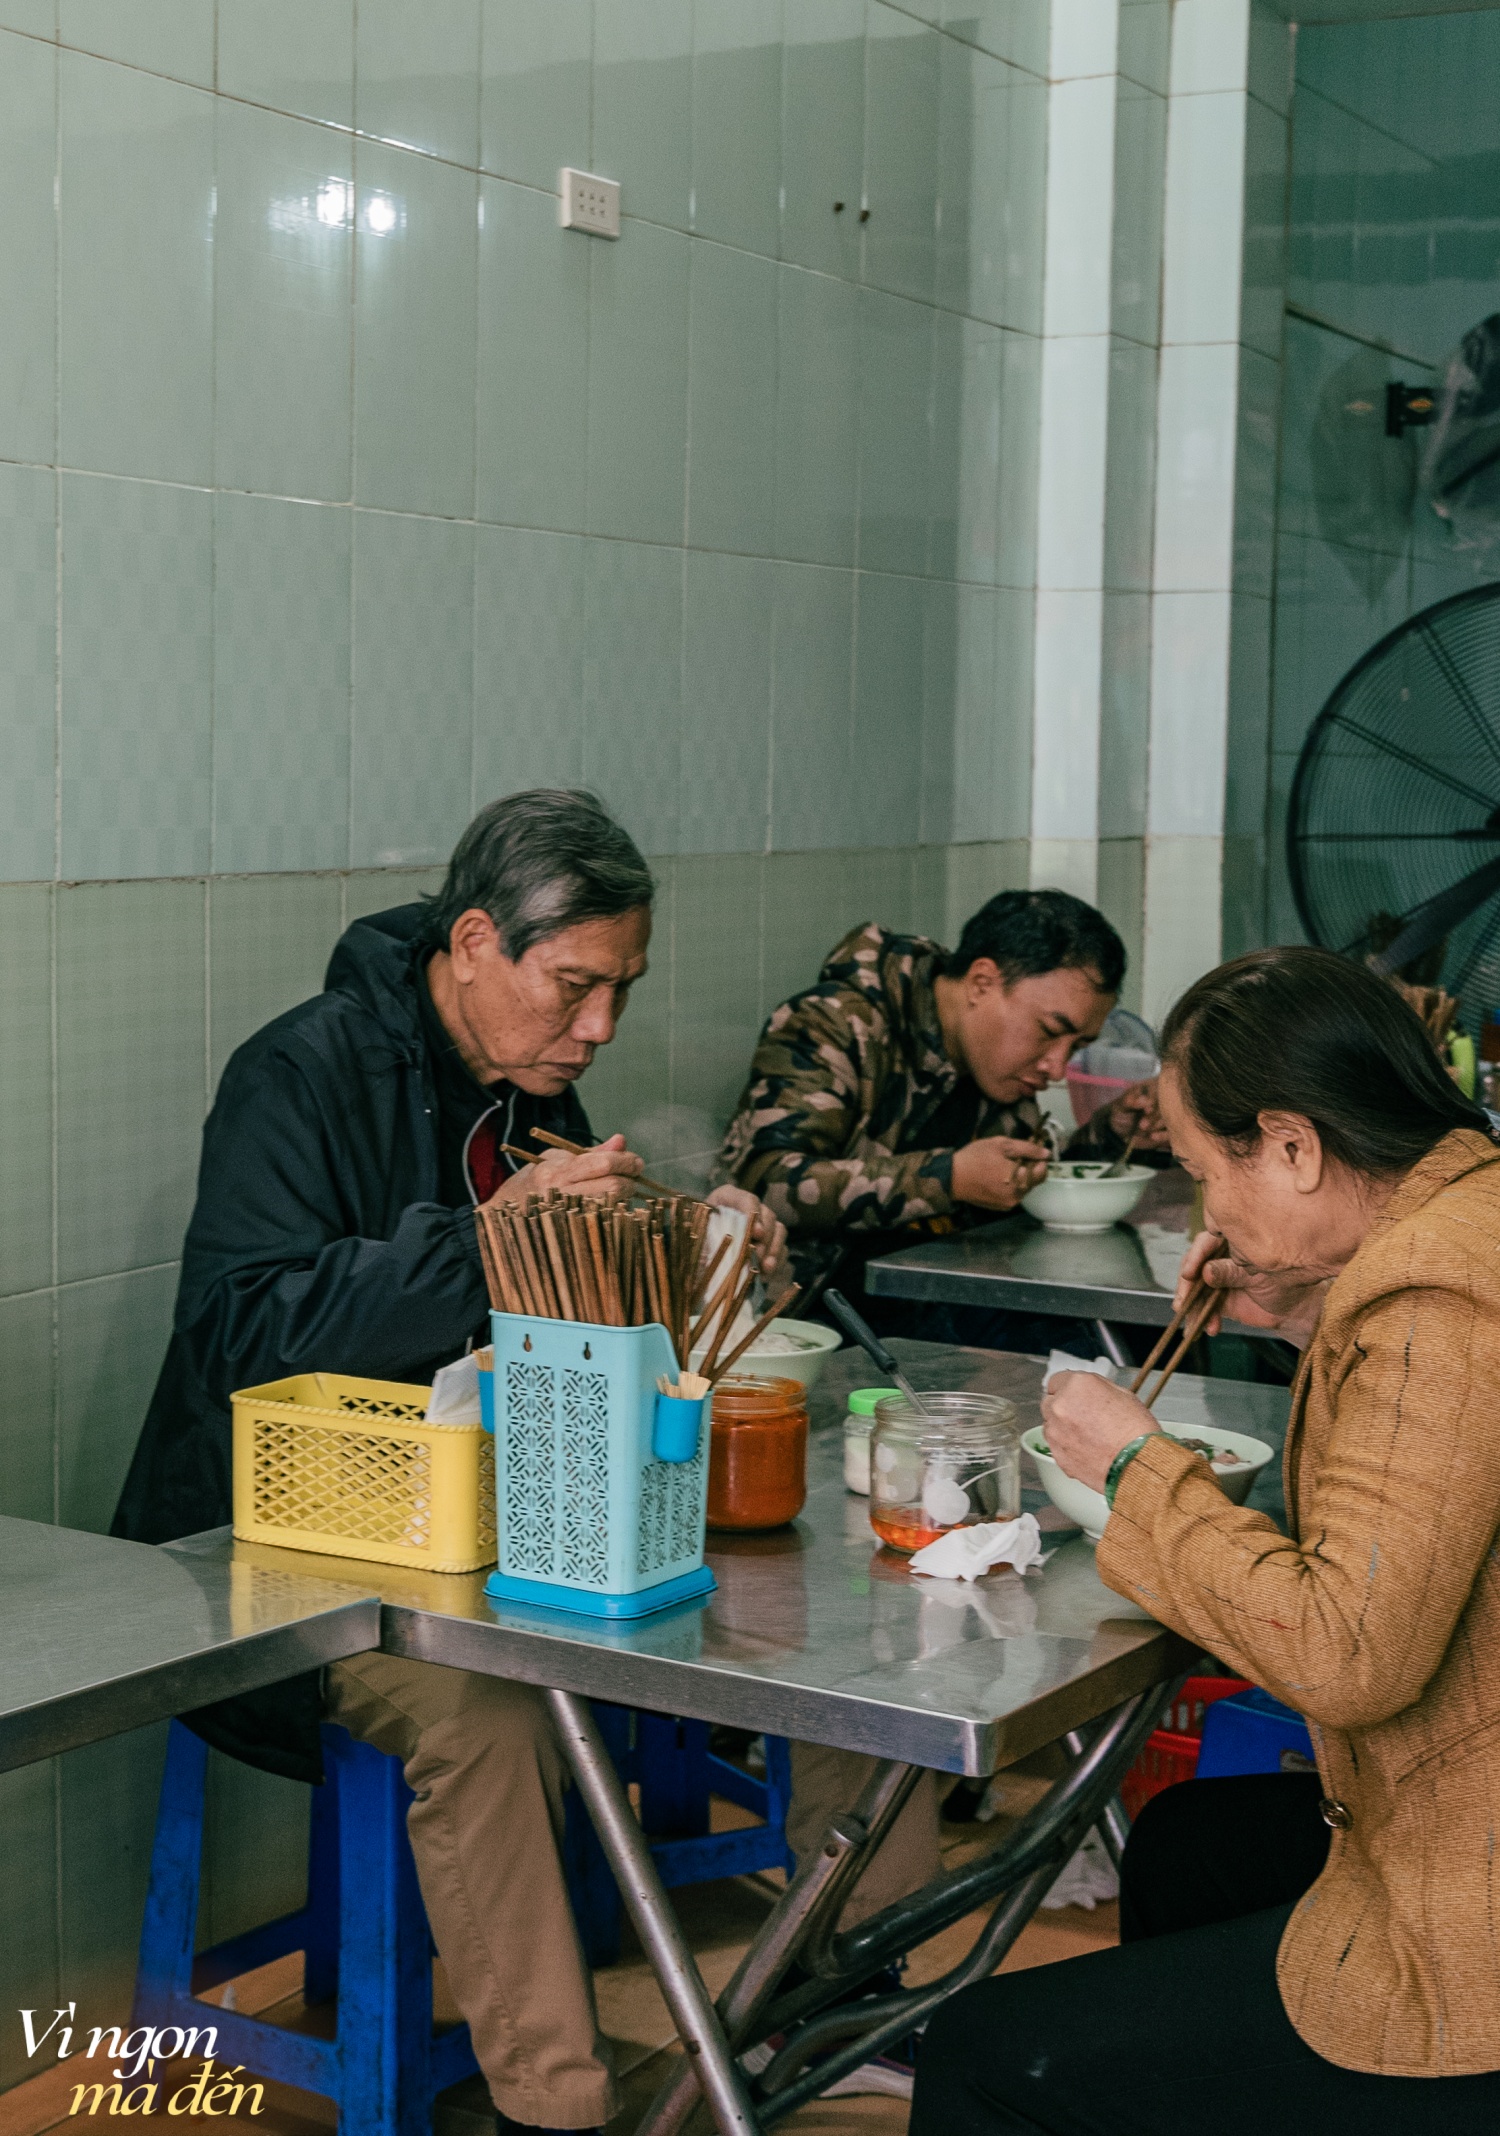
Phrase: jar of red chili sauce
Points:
(757, 1461)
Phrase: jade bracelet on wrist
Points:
(1118, 1466)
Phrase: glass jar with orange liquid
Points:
(757, 1453)
(952, 1467)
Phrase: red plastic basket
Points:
(1170, 1753)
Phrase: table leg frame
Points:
(1017, 1875)
(1113, 1827)
(1110, 1343)
(816, 1892)
(623, 1841)
(1019, 1872)
(802, 1923)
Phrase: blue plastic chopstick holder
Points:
(600, 1482)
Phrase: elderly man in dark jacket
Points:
(334, 1231)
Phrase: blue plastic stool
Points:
(676, 1772)
(364, 1931)
(1252, 1733)
(365, 1935)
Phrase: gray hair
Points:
(538, 862)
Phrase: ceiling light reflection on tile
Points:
(382, 215)
(335, 204)
(332, 206)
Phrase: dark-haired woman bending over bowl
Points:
(1302, 1950)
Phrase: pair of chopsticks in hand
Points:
(641, 1184)
(1190, 1319)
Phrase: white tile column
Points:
(1217, 412)
(1082, 66)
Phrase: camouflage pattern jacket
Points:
(849, 1089)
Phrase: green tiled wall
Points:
(313, 443)
(1390, 258)
(340, 490)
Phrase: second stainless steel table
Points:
(1126, 1274)
(816, 1632)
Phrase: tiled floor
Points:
(720, 1920)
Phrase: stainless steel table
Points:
(816, 1632)
(1126, 1274)
(102, 1635)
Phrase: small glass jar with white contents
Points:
(859, 1422)
(953, 1464)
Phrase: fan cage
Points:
(1396, 795)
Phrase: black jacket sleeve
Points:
(277, 1276)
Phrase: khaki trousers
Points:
(826, 1781)
(482, 1760)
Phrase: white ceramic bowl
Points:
(1077, 1197)
(816, 1345)
(1088, 1508)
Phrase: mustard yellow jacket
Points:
(1377, 1617)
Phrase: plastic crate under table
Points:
(1170, 1753)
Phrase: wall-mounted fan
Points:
(1393, 833)
(1461, 462)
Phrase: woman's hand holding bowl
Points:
(1088, 1420)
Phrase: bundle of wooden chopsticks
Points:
(573, 1257)
(1436, 1008)
(1190, 1319)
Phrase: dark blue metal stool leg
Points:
(320, 1958)
(672, 1768)
(170, 1926)
(385, 1967)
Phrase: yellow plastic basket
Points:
(349, 1467)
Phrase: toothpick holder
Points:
(677, 1430)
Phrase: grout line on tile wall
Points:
(56, 474)
(386, 511)
(213, 616)
(354, 280)
(55, 1330)
(208, 993)
(1361, 119)
(593, 62)
(53, 1113)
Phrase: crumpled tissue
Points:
(455, 1393)
(964, 1553)
(1088, 1880)
(1061, 1361)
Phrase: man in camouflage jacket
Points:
(872, 1089)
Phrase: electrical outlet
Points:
(589, 203)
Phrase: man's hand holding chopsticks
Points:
(606, 1171)
(767, 1234)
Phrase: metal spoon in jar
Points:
(861, 1332)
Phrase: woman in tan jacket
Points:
(1318, 1951)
